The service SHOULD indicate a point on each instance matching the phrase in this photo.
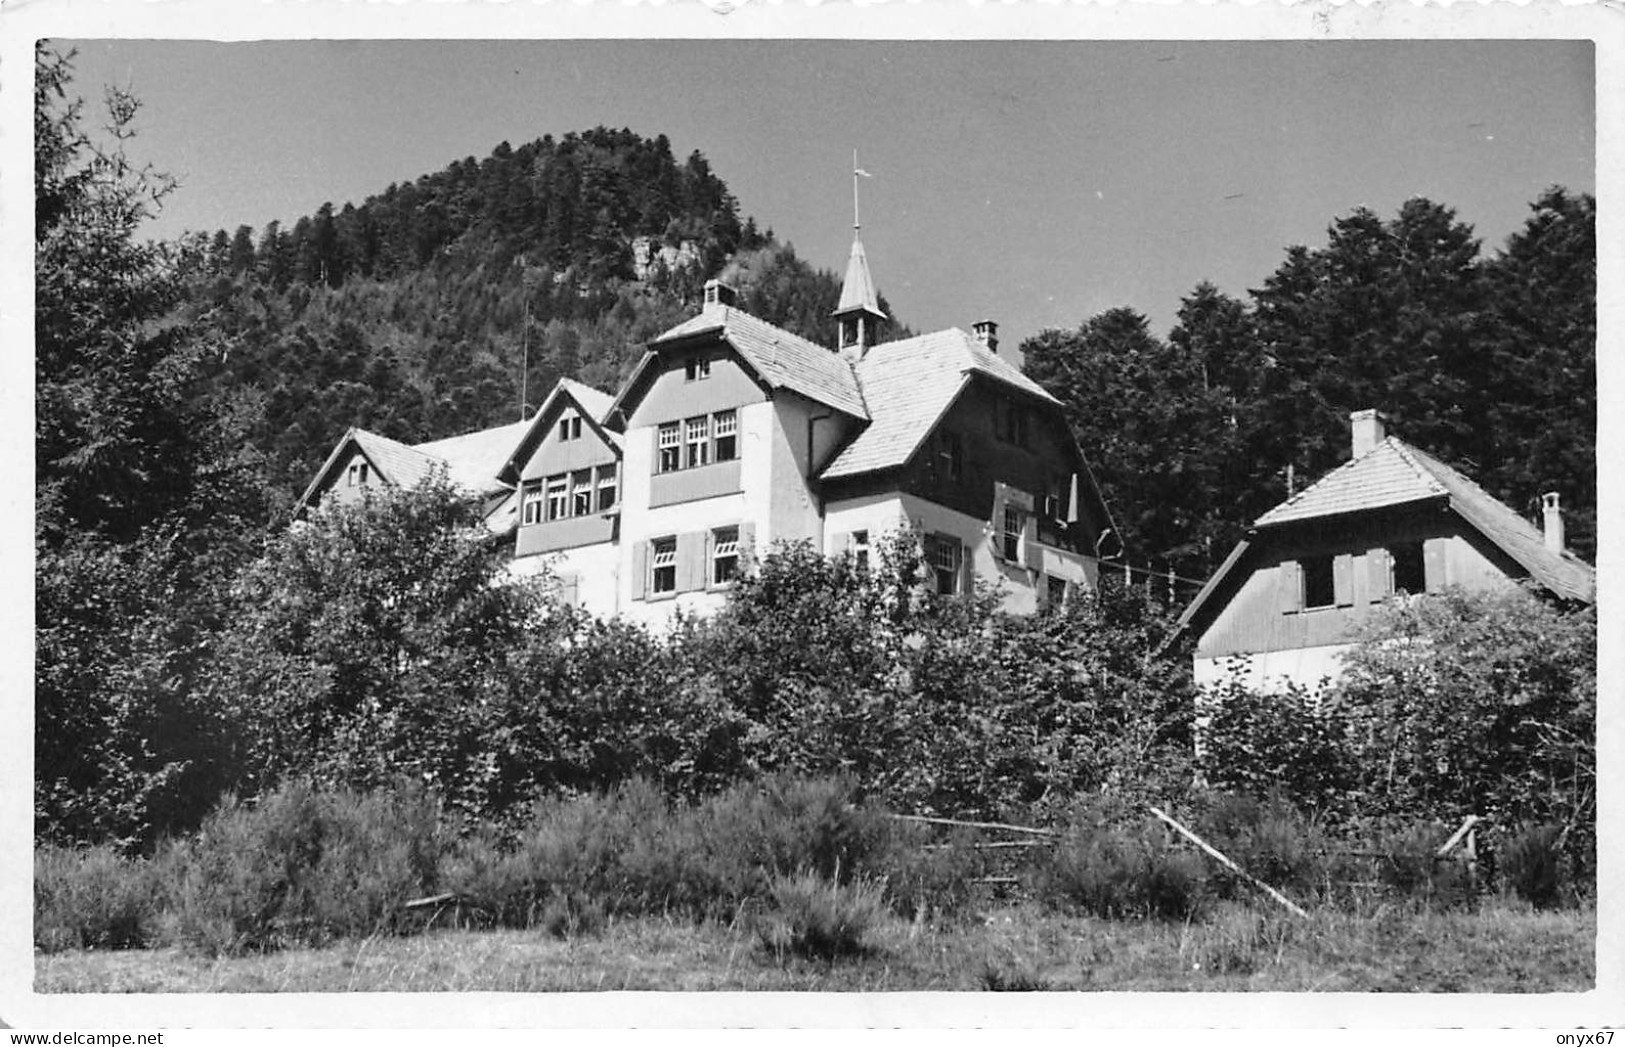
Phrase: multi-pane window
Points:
(860, 549)
(531, 508)
(357, 475)
(696, 367)
(1409, 568)
(942, 555)
(1318, 588)
(724, 555)
(570, 427)
(725, 432)
(567, 495)
(1013, 525)
(1056, 590)
(671, 450)
(558, 504)
(696, 443)
(664, 564)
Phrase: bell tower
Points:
(859, 314)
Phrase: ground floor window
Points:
(1056, 590)
(942, 555)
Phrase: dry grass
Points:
(1503, 948)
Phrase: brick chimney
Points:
(718, 295)
(987, 332)
(1367, 430)
(1552, 510)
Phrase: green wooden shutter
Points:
(1434, 563)
(691, 561)
(1289, 579)
(1343, 580)
(640, 570)
(1379, 575)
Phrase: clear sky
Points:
(1035, 183)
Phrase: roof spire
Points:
(859, 310)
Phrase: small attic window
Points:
(358, 474)
(570, 427)
(1409, 567)
(697, 367)
(1319, 590)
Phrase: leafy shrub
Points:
(1269, 838)
(1259, 745)
(1531, 864)
(1125, 870)
(817, 917)
(303, 867)
(1476, 703)
(93, 898)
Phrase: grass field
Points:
(1502, 948)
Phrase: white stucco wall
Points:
(1272, 671)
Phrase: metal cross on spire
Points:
(856, 171)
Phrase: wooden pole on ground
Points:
(1232, 866)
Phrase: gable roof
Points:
(1390, 474)
(1395, 473)
(782, 360)
(470, 460)
(594, 405)
(912, 383)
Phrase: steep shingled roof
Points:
(912, 382)
(473, 459)
(784, 360)
(1395, 473)
(1389, 474)
(470, 460)
(594, 403)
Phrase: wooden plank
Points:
(1238, 870)
(1457, 836)
(974, 825)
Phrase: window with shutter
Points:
(663, 566)
(1319, 589)
(1409, 567)
(724, 555)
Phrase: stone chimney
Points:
(1367, 431)
(1552, 510)
(987, 332)
(717, 296)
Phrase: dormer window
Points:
(697, 367)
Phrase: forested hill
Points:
(410, 314)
